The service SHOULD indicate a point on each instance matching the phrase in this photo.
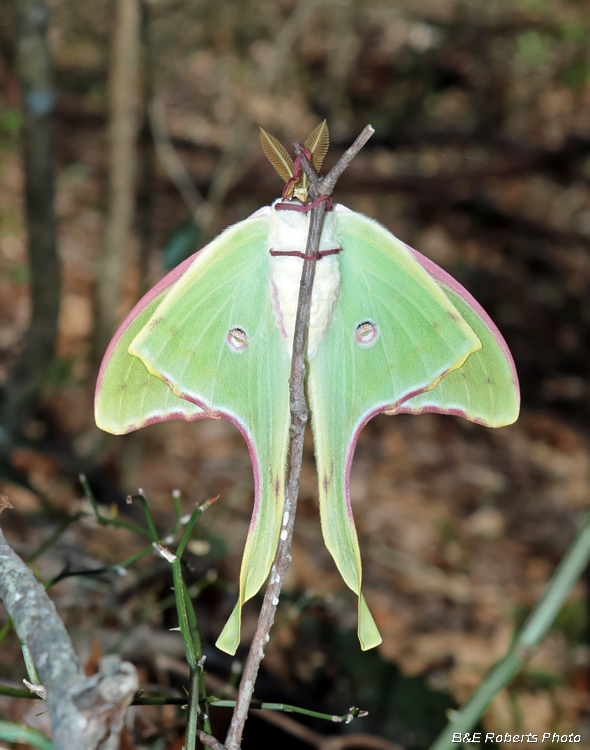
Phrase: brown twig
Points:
(279, 719)
(299, 416)
(209, 741)
(122, 136)
(232, 165)
(86, 712)
(34, 69)
(319, 741)
(330, 180)
(174, 165)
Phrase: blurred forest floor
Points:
(481, 160)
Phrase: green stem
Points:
(61, 529)
(149, 700)
(535, 628)
(295, 609)
(124, 525)
(177, 506)
(192, 619)
(204, 701)
(237, 669)
(17, 692)
(194, 590)
(177, 513)
(159, 700)
(189, 629)
(16, 733)
(188, 530)
(5, 630)
(29, 664)
(149, 519)
(117, 523)
(106, 569)
(89, 495)
(183, 618)
(193, 711)
(187, 618)
(354, 712)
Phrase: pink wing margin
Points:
(165, 283)
(446, 280)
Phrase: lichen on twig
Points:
(85, 711)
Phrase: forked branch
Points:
(299, 414)
(84, 711)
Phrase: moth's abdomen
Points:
(288, 234)
(285, 278)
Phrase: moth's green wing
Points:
(127, 395)
(485, 388)
(421, 336)
(188, 343)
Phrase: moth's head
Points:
(316, 143)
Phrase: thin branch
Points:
(84, 711)
(190, 740)
(170, 159)
(34, 68)
(231, 165)
(276, 717)
(147, 152)
(353, 713)
(533, 631)
(13, 692)
(273, 73)
(51, 540)
(330, 180)
(299, 416)
(122, 135)
(209, 741)
(271, 713)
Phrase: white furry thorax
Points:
(288, 233)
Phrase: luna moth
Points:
(389, 332)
